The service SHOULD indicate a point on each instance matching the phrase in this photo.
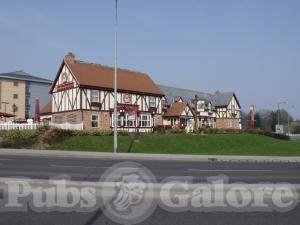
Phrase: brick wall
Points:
(225, 123)
(103, 117)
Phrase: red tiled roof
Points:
(176, 109)
(99, 76)
(47, 109)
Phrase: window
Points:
(16, 96)
(119, 120)
(152, 101)
(129, 120)
(94, 96)
(144, 121)
(71, 119)
(16, 83)
(95, 121)
(58, 119)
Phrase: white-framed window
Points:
(95, 121)
(94, 96)
(144, 120)
(113, 122)
(129, 120)
(152, 101)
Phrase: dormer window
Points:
(94, 96)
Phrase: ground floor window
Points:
(71, 119)
(95, 121)
(119, 120)
(145, 121)
(129, 120)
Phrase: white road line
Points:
(88, 167)
(203, 170)
(77, 166)
(3, 159)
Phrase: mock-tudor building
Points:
(218, 110)
(82, 93)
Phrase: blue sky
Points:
(249, 46)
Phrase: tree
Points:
(258, 120)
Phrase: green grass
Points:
(235, 144)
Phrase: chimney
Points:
(70, 57)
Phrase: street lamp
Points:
(278, 104)
(115, 81)
(5, 103)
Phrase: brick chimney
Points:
(70, 57)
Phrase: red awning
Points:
(3, 114)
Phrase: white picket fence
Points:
(18, 126)
(67, 126)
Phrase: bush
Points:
(177, 131)
(19, 138)
(160, 129)
(277, 136)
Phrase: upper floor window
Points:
(16, 96)
(152, 101)
(94, 96)
(16, 83)
(233, 109)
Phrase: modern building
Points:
(82, 93)
(18, 91)
(218, 110)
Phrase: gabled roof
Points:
(21, 75)
(186, 94)
(176, 109)
(98, 76)
(217, 99)
(47, 109)
(223, 99)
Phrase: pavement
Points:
(88, 167)
(141, 156)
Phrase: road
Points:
(92, 169)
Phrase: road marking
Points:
(88, 167)
(4, 159)
(203, 170)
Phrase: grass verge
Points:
(219, 144)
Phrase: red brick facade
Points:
(104, 119)
(78, 116)
(227, 123)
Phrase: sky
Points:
(251, 47)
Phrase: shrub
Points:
(19, 138)
(123, 133)
(160, 129)
(177, 131)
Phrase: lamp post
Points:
(5, 103)
(14, 111)
(115, 81)
(278, 113)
